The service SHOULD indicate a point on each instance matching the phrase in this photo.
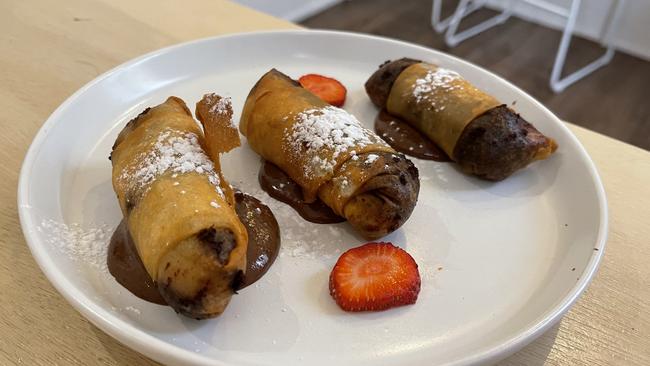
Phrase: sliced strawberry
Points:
(328, 89)
(374, 276)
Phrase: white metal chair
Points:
(557, 83)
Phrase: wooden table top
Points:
(49, 49)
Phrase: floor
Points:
(614, 100)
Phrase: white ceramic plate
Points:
(500, 262)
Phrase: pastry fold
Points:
(330, 155)
(179, 209)
(485, 137)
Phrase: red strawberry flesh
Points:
(374, 276)
(326, 88)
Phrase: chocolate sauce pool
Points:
(263, 236)
(263, 246)
(406, 139)
(279, 186)
(125, 265)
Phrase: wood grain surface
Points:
(50, 49)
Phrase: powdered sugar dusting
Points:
(440, 79)
(327, 129)
(176, 151)
(87, 245)
(371, 158)
(221, 106)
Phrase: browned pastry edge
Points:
(381, 81)
(391, 195)
(217, 243)
(133, 123)
(498, 143)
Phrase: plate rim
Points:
(142, 342)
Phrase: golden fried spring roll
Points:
(477, 131)
(330, 155)
(178, 209)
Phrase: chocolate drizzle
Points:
(406, 139)
(280, 186)
(125, 264)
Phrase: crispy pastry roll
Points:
(178, 208)
(482, 135)
(330, 155)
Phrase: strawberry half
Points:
(374, 276)
(328, 89)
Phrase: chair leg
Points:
(452, 38)
(559, 84)
(441, 25)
